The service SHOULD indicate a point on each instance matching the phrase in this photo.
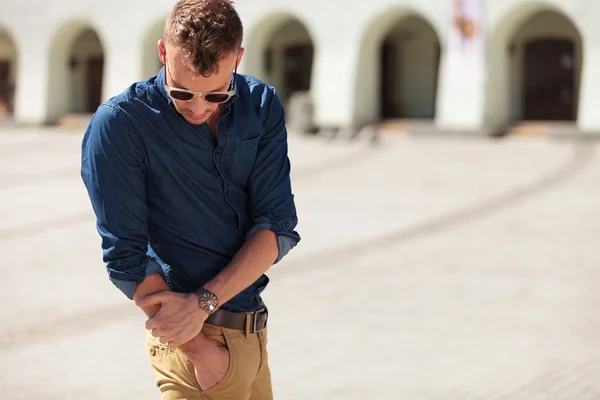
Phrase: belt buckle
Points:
(255, 317)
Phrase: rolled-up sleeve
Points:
(270, 190)
(113, 171)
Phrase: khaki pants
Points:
(248, 376)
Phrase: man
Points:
(189, 178)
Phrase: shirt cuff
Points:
(285, 244)
(287, 239)
(128, 281)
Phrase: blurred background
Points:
(446, 176)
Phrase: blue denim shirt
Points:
(171, 199)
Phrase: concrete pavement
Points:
(429, 268)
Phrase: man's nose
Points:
(199, 105)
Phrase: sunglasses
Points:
(209, 97)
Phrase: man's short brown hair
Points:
(206, 31)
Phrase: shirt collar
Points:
(160, 83)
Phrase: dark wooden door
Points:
(6, 90)
(390, 107)
(298, 68)
(95, 72)
(549, 80)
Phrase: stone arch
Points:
(388, 84)
(534, 66)
(150, 63)
(76, 71)
(281, 52)
(8, 73)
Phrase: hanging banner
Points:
(467, 37)
(464, 69)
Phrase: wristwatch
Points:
(207, 300)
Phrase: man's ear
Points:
(239, 57)
(162, 51)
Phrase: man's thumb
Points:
(151, 300)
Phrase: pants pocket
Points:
(221, 338)
(175, 374)
(170, 369)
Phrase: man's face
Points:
(197, 111)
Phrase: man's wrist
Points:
(151, 285)
(207, 300)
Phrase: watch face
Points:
(208, 301)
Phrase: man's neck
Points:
(213, 121)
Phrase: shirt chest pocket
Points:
(239, 159)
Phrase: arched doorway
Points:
(537, 76)
(8, 74)
(150, 62)
(409, 61)
(281, 52)
(548, 49)
(76, 72)
(398, 69)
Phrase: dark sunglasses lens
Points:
(216, 98)
(183, 96)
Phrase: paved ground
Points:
(430, 269)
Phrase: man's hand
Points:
(179, 319)
(210, 371)
(210, 361)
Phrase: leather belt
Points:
(252, 322)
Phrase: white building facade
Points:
(360, 61)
